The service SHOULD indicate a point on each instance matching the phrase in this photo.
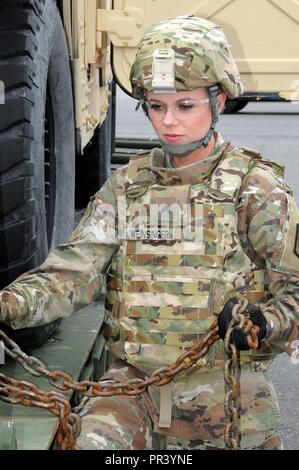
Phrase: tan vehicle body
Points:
(264, 35)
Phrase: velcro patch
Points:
(296, 246)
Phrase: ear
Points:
(221, 98)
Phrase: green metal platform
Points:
(78, 347)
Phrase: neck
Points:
(197, 155)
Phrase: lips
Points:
(173, 137)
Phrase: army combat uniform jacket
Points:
(177, 243)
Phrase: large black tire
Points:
(37, 144)
(233, 106)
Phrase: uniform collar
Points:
(218, 142)
(152, 169)
(189, 174)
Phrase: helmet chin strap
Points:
(182, 150)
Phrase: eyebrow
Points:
(156, 100)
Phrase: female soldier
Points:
(182, 231)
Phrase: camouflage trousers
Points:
(124, 423)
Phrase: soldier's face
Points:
(181, 117)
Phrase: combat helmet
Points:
(185, 53)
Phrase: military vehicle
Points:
(59, 62)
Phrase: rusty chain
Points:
(63, 381)
(19, 392)
(69, 426)
(240, 318)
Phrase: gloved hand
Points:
(239, 337)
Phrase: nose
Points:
(169, 118)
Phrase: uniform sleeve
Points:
(73, 275)
(268, 227)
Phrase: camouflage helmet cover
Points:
(201, 52)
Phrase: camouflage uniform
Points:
(163, 293)
(176, 244)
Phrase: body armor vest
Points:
(168, 280)
(180, 260)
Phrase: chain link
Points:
(69, 423)
(232, 372)
(19, 392)
(232, 435)
(63, 381)
(30, 363)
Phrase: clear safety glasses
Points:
(181, 109)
